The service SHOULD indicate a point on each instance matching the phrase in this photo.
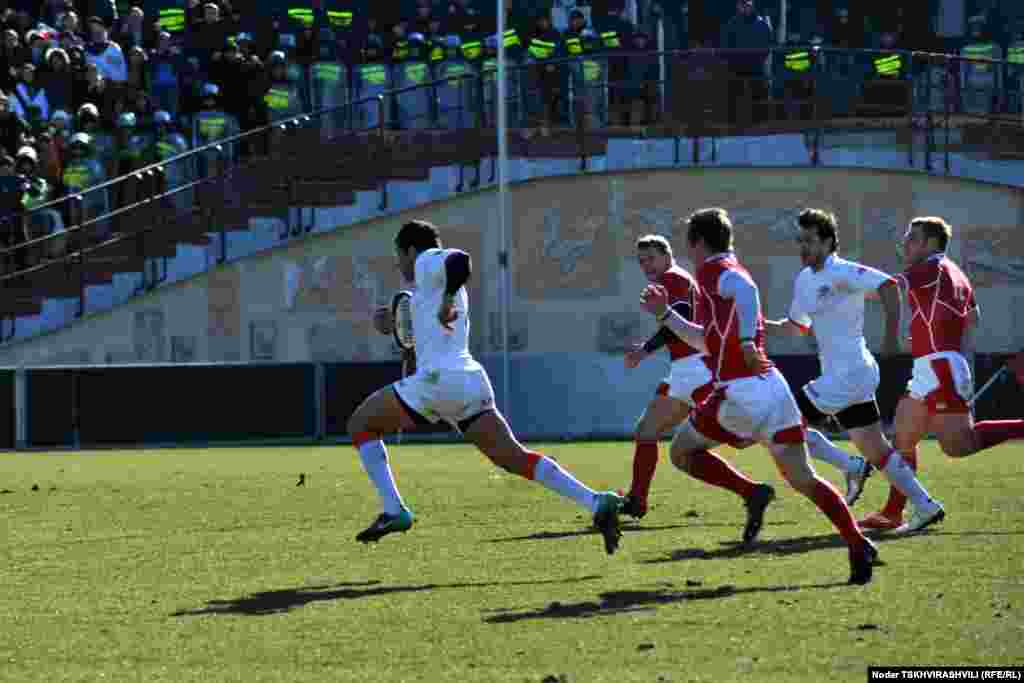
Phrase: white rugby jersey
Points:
(436, 347)
(831, 302)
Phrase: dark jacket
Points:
(747, 32)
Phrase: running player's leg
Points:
(490, 433)
(382, 413)
(691, 452)
(662, 414)
(791, 457)
(865, 428)
(911, 424)
(811, 399)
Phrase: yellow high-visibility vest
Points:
(277, 99)
(574, 46)
(472, 49)
(591, 70)
(610, 39)
(303, 15)
(171, 19)
(1015, 54)
(327, 72)
(339, 19)
(212, 127)
(798, 61)
(452, 71)
(511, 38)
(416, 72)
(77, 175)
(374, 74)
(541, 49)
(889, 66)
(980, 50)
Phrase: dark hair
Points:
(711, 225)
(825, 223)
(421, 235)
(656, 242)
(933, 226)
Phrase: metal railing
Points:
(445, 115)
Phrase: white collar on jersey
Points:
(719, 255)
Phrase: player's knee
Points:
(681, 458)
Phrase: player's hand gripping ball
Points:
(654, 299)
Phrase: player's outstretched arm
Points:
(785, 327)
(382, 321)
(889, 294)
(457, 268)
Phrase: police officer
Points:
(545, 44)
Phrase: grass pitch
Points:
(213, 565)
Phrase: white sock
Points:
(824, 450)
(375, 461)
(550, 474)
(899, 474)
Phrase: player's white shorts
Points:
(834, 392)
(752, 408)
(942, 380)
(689, 380)
(448, 395)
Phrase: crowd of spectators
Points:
(90, 89)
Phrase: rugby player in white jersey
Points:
(450, 385)
(828, 300)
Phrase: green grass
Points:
(212, 565)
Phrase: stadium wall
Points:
(575, 281)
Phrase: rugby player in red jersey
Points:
(943, 312)
(689, 381)
(751, 399)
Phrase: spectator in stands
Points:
(747, 31)
(12, 232)
(29, 101)
(101, 142)
(70, 30)
(37, 192)
(639, 94)
(97, 89)
(543, 45)
(104, 53)
(281, 96)
(13, 131)
(164, 66)
(138, 70)
(208, 37)
(844, 34)
(14, 55)
(51, 145)
(105, 10)
(57, 79)
(83, 170)
(132, 31)
(38, 43)
(372, 48)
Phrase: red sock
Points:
(993, 432)
(531, 464)
(897, 501)
(832, 504)
(712, 469)
(645, 461)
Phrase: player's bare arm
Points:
(889, 294)
(654, 299)
(457, 267)
(382, 320)
(785, 327)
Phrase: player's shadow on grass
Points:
(777, 546)
(275, 602)
(627, 526)
(619, 602)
